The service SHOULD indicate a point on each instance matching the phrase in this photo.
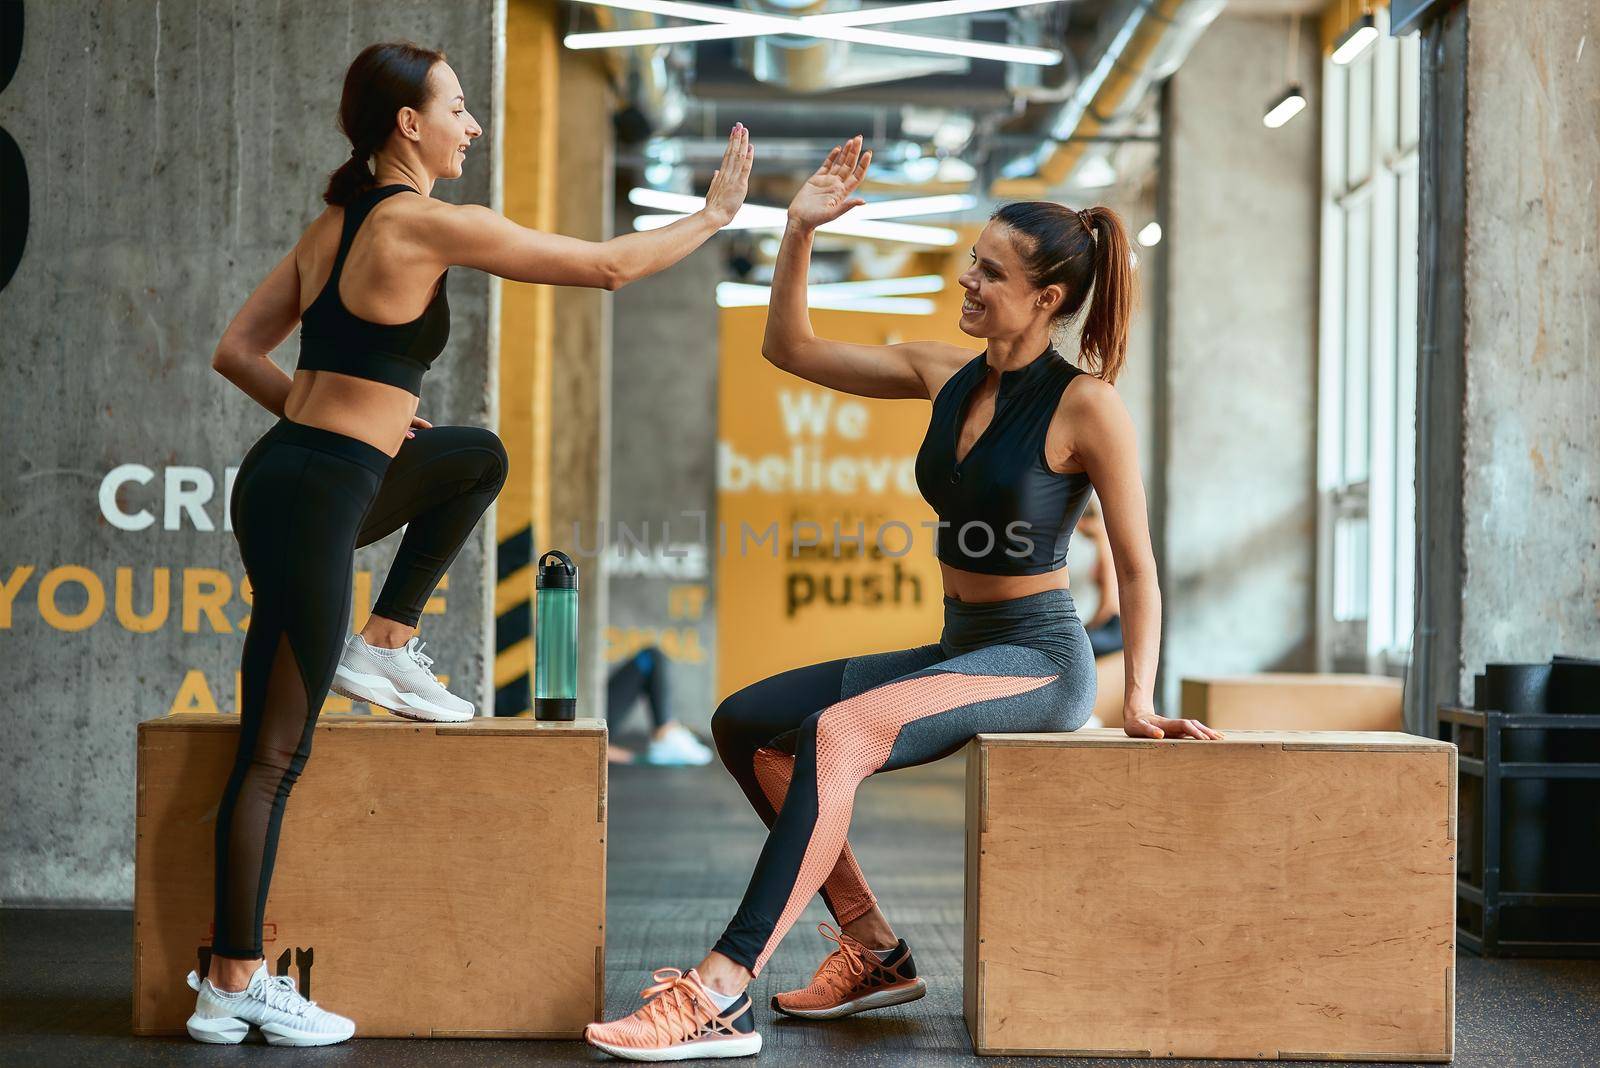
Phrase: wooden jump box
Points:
(1281, 701)
(1276, 894)
(443, 880)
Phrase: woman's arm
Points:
(1105, 444)
(474, 236)
(243, 356)
(791, 345)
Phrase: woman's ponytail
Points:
(383, 79)
(352, 178)
(1087, 254)
(1103, 343)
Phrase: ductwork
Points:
(649, 82)
(1145, 41)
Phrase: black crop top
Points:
(332, 339)
(1007, 512)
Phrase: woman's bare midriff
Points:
(975, 588)
(373, 412)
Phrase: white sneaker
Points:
(272, 1004)
(400, 680)
(677, 746)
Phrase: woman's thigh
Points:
(1001, 689)
(769, 712)
(438, 464)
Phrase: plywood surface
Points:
(463, 867)
(344, 721)
(1118, 738)
(1271, 896)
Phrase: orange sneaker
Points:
(679, 1022)
(853, 979)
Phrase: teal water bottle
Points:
(555, 658)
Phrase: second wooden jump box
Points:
(1276, 894)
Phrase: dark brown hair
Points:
(383, 79)
(1080, 251)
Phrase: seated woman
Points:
(1019, 435)
(644, 674)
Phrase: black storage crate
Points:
(1528, 858)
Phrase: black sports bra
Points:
(332, 339)
(1002, 510)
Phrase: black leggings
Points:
(800, 743)
(642, 673)
(303, 500)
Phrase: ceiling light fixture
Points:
(905, 207)
(1292, 103)
(834, 296)
(864, 221)
(839, 26)
(882, 287)
(898, 208)
(1096, 172)
(1293, 100)
(866, 228)
(1355, 40)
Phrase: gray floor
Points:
(64, 976)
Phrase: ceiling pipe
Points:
(1147, 40)
(645, 77)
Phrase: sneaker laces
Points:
(279, 992)
(414, 647)
(675, 1006)
(845, 963)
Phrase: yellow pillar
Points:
(528, 176)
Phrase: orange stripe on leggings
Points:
(854, 739)
(846, 887)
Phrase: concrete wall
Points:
(1236, 439)
(663, 447)
(1530, 499)
(175, 153)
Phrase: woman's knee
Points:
(840, 747)
(498, 463)
(730, 725)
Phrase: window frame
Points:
(1366, 395)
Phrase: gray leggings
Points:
(801, 742)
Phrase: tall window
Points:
(1366, 465)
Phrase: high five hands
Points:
(826, 194)
(731, 181)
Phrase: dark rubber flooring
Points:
(682, 844)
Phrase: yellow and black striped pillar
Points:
(530, 100)
(513, 624)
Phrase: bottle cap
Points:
(556, 571)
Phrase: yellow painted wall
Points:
(790, 452)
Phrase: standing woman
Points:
(350, 461)
(1018, 438)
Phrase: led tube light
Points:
(1287, 107)
(749, 24)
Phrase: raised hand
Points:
(732, 179)
(826, 194)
